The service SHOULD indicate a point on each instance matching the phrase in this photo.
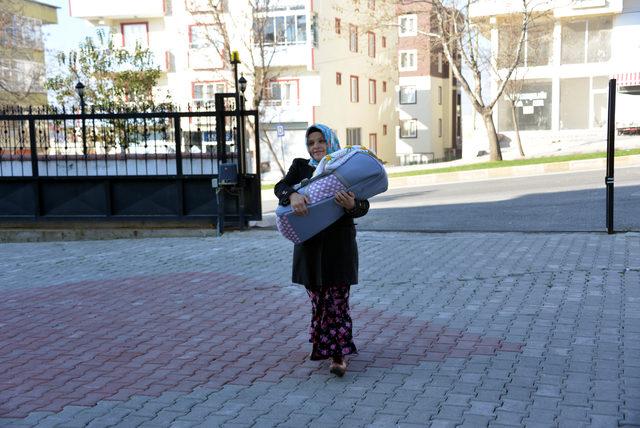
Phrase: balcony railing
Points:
(116, 9)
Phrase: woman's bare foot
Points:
(338, 366)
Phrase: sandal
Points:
(338, 368)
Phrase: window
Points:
(353, 38)
(202, 5)
(285, 30)
(203, 36)
(600, 97)
(440, 127)
(338, 78)
(439, 95)
(440, 62)
(384, 129)
(371, 37)
(407, 94)
(537, 47)
(384, 42)
(282, 93)
(407, 25)
(574, 103)
(373, 143)
(20, 31)
(533, 107)
(384, 86)
(372, 91)
(353, 136)
(204, 93)
(133, 34)
(586, 41)
(337, 25)
(409, 128)
(408, 60)
(354, 89)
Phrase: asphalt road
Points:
(553, 202)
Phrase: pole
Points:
(84, 130)
(611, 129)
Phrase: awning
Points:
(628, 82)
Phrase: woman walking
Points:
(327, 263)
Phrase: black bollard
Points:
(611, 129)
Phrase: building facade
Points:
(22, 59)
(322, 66)
(571, 51)
(428, 98)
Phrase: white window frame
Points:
(354, 136)
(290, 86)
(209, 89)
(408, 32)
(144, 41)
(409, 52)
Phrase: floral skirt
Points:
(331, 326)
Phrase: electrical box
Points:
(228, 174)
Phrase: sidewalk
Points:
(469, 329)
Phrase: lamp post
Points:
(242, 84)
(80, 91)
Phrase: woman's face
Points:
(316, 145)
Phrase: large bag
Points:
(353, 169)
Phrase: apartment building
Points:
(428, 97)
(571, 51)
(325, 66)
(22, 59)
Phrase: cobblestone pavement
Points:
(466, 329)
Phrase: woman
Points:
(326, 264)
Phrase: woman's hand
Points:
(346, 200)
(299, 203)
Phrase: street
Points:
(553, 202)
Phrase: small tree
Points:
(114, 78)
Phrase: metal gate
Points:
(156, 165)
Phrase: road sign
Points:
(280, 130)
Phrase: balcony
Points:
(561, 8)
(294, 55)
(116, 9)
(204, 59)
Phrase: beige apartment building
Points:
(572, 50)
(428, 97)
(22, 59)
(328, 65)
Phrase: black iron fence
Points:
(119, 164)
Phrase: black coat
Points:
(331, 256)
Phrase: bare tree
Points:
(21, 54)
(257, 49)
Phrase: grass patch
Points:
(516, 162)
(502, 164)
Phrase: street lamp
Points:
(242, 83)
(80, 91)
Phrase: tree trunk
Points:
(492, 136)
(516, 127)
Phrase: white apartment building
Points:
(428, 98)
(573, 49)
(330, 67)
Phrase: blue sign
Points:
(280, 130)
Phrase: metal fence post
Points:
(611, 135)
(178, 140)
(35, 173)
